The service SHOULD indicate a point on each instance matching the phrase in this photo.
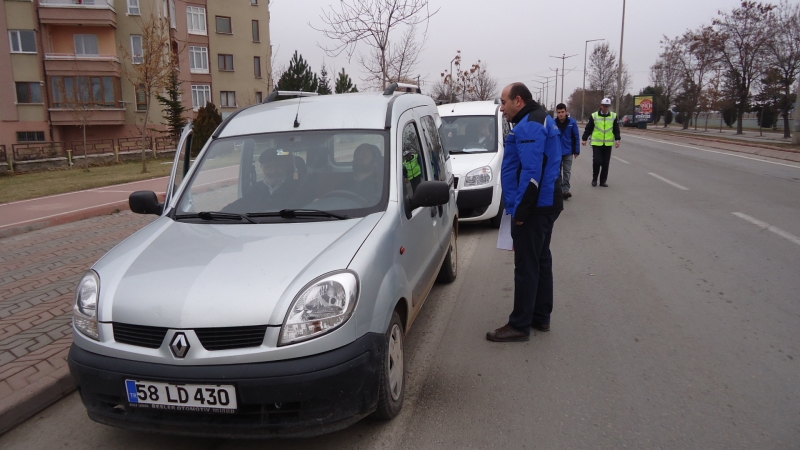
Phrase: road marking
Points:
(768, 227)
(620, 159)
(669, 182)
(718, 152)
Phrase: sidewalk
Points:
(37, 213)
(751, 137)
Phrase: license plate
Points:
(182, 397)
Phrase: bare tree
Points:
(462, 82)
(783, 56)
(743, 34)
(666, 73)
(371, 22)
(401, 59)
(696, 59)
(485, 84)
(602, 69)
(440, 91)
(150, 72)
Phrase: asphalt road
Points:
(676, 325)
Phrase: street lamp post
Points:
(451, 78)
(619, 69)
(583, 92)
(547, 89)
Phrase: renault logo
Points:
(179, 345)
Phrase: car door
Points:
(418, 233)
(181, 164)
(440, 172)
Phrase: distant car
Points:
(472, 134)
(627, 121)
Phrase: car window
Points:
(414, 169)
(469, 134)
(438, 160)
(337, 171)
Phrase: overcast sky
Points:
(515, 37)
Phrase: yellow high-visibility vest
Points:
(603, 133)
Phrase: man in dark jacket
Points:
(532, 192)
(603, 127)
(570, 148)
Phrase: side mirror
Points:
(428, 193)
(145, 202)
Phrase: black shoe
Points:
(543, 327)
(594, 183)
(507, 333)
(603, 185)
(567, 194)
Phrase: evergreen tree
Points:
(324, 87)
(208, 119)
(173, 107)
(298, 77)
(344, 84)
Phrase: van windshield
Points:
(342, 172)
(469, 134)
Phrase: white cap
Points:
(606, 101)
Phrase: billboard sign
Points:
(643, 108)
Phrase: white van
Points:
(473, 134)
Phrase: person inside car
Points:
(277, 189)
(366, 168)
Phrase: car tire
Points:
(393, 374)
(494, 222)
(449, 269)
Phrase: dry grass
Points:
(40, 184)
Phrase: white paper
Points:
(504, 241)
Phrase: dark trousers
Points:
(533, 271)
(601, 158)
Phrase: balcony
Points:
(98, 116)
(60, 64)
(78, 12)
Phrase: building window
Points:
(227, 99)
(133, 7)
(196, 19)
(30, 136)
(259, 97)
(224, 25)
(257, 66)
(136, 49)
(198, 59)
(254, 2)
(172, 22)
(29, 92)
(94, 91)
(141, 98)
(225, 62)
(255, 32)
(86, 44)
(201, 94)
(22, 41)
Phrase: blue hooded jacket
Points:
(531, 172)
(570, 138)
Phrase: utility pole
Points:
(583, 92)
(547, 89)
(451, 78)
(563, 57)
(619, 69)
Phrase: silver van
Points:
(272, 294)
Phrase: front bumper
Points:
(299, 397)
(477, 204)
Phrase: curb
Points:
(23, 404)
(728, 141)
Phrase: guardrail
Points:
(131, 144)
(37, 150)
(93, 147)
(165, 143)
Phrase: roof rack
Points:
(402, 87)
(289, 94)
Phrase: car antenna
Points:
(296, 115)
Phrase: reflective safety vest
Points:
(413, 169)
(603, 133)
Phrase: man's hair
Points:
(520, 90)
(561, 106)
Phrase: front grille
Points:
(232, 337)
(139, 335)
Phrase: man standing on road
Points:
(604, 130)
(532, 192)
(569, 145)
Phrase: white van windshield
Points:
(342, 172)
(469, 134)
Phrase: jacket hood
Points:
(182, 275)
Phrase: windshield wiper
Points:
(295, 213)
(214, 215)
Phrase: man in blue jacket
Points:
(532, 192)
(570, 145)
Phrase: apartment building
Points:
(65, 53)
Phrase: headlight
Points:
(321, 307)
(478, 177)
(84, 314)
